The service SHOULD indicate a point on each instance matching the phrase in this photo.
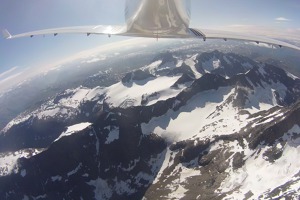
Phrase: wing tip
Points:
(6, 34)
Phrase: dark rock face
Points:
(114, 159)
(136, 76)
(227, 65)
(183, 80)
(165, 58)
(238, 161)
(145, 98)
(183, 69)
(36, 132)
(69, 165)
(272, 131)
(31, 133)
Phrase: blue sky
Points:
(256, 16)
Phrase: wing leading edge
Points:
(204, 34)
(226, 35)
(99, 29)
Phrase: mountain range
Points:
(209, 125)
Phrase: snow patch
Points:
(123, 188)
(179, 63)
(75, 170)
(177, 191)
(292, 76)
(187, 173)
(8, 161)
(102, 189)
(166, 157)
(15, 121)
(40, 197)
(191, 63)
(73, 129)
(23, 172)
(216, 64)
(48, 113)
(152, 67)
(112, 136)
(75, 99)
(56, 178)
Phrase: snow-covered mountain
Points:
(207, 125)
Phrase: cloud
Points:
(9, 78)
(244, 28)
(239, 25)
(17, 75)
(95, 59)
(282, 19)
(8, 72)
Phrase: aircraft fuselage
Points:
(158, 17)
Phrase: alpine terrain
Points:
(201, 125)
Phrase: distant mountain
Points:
(208, 125)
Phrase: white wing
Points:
(122, 30)
(225, 35)
(99, 29)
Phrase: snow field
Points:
(8, 161)
(116, 94)
(257, 171)
(191, 119)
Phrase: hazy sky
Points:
(261, 16)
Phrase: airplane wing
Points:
(122, 30)
(99, 29)
(226, 35)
